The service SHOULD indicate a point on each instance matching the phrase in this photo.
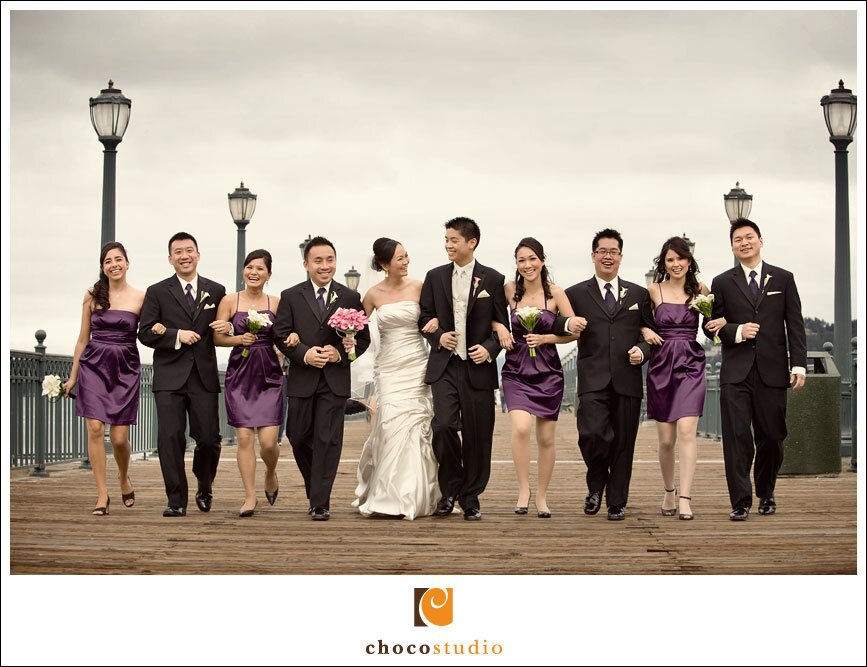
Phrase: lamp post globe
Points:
(352, 277)
(242, 204)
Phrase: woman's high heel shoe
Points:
(673, 510)
(526, 508)
(102, 511)
(243, 514)
(682, 516)
(128, 499)
(271, 496)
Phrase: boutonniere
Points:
(623, 292)
(332, 298)
(203, 296)
(476, 281)
(767, 278)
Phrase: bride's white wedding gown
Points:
(397, 471)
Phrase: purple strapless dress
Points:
(534, 384)
(109, 369)
(254, 384)
(675, 374)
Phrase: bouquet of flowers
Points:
(529, 317)
(256, 321)
(704, 305)
(52, 386)
(347, 322)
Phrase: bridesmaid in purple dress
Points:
(675, 374)
(533, 386)
(106, 369)
(254, 381)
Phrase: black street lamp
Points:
(303, 245)
(840, 108)
(738, 205)
(109, 113)
(352, 277)
(242, 203)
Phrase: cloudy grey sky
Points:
(356, 125)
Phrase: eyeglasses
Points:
(602, 252)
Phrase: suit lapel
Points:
(307, 293)
(737, 275)
(175, 290)
(767, 276)
(474, 289)
(593, 288)
(201, 293)
(621, 285)
(333, 298)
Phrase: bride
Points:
(397, 471)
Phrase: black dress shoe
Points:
(271, 496)
(767, 505)
(445, 506)
(203, 500)
(243, 514)
(175, 511)
(739, 514)
(320, 514)
(616, 514)
(473, 514)
(593, 502)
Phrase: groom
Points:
(465, 297)
(318, 379)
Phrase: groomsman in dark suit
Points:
(763, 339)
(318, 379)
(177, 321)
(465, 297)
(609, 314)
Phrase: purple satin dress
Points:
(675, 374)
(534, 384)
(109, 369)
(254, 384)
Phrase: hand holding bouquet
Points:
(704, 305)
(256, 321)
(52, 387)
(529, 317)
(347, 322)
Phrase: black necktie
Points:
(610, 301)
(321, 298)
(754, 286)
(191, 302)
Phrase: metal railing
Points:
(710, 423)
(44, 431)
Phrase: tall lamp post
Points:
(242, 203)
(109, 113)
(738, 205)
(352, 278)
(840, 108)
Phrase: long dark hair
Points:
(681, 249)
(99, 291)
(536, 247)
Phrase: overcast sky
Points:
(356, 125)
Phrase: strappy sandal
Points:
(682, 516)
(102, 511)
(128, 499)
(673, 510)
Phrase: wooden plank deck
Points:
(52, 531)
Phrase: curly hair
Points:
(681, 249)
(536, 247)
(99, 291)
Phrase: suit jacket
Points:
(782, 341)
(603, 346)
(165, 302)
(436, 302)
(299, 312)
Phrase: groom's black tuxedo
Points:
(609, 387)
(317, 397)
(185, 381)
(755, 375)
(463, 390)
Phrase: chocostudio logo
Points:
(433, 606)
